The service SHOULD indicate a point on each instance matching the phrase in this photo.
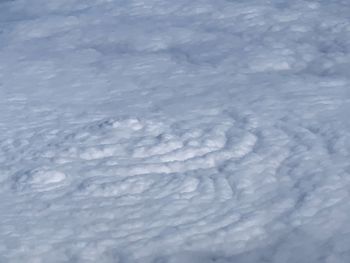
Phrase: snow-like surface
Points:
(174, 131)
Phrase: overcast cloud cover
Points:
(161, 131)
